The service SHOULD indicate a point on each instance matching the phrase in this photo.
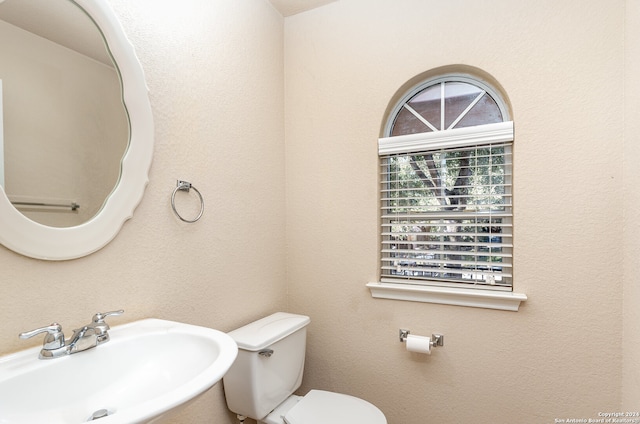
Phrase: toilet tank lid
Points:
(268, 330)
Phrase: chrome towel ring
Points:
(186, 186)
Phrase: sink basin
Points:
(147, 369)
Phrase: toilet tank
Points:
(269, 365)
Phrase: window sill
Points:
(506, 301)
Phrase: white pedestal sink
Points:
(147, 369)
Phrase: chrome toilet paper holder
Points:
(436, 339)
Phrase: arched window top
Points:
(446, 103)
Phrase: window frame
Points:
(443, 292)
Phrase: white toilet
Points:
(268, 369)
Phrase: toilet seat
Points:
(321, 407)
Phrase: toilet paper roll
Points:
(419, 344)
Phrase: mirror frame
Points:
(35, 240)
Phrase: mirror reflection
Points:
(65, 129)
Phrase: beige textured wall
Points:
(561, 64)
(631, 247)
(214, 70)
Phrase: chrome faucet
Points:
(83, 338)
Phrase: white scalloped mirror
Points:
(36, 240)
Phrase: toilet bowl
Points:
(268, 370)
(322, 407)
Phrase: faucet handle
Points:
(98, 323)
(100, 316)
(100, 327)
(54, 338)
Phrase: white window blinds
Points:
(446, 207)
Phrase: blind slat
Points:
(453, 215)
(470, 224)
(438, 208)
(461, 244)
(451, 271)
(434, 253)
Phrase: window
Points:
(446, 197)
